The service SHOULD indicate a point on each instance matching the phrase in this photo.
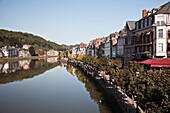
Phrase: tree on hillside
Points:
(20, 45)
(32, 51)
(11, 38)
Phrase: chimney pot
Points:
(144, 13)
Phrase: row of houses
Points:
(77, 49)
(148, 37)
(9, 52)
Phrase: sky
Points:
(71, 21)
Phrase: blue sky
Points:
(71, 21)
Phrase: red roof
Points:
(157, 62)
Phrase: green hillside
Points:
(12, 38)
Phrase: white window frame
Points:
(160, 33)
(160, 20)
(160, 47)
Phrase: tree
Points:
(32, 51)
(60, 55)
(10, 38)
(80, 57)
(20, 45)
(70, 56)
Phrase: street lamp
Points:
(137, 74)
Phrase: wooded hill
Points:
(13, 38)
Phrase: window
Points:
(141, 24)
(146, 39)
(160, 23)
(137, 49)
(150, 38)
(145, 22)
(150, 49)
(129, 41)
(150, 20)
(160, 47)
(160, 20)
(137, 25)
(128, 51)
(133, 51)
(160, 31)
(137, 40)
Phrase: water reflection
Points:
(95, 93)
(52, 59)
(19, 70)
(54, 91)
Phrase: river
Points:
(47, 86)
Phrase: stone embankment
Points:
(117, 98)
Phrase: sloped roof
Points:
(82, 44)
(131, 24)
(164, 9)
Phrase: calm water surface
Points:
(45, 86)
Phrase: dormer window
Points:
(137, 25)
(141, 24)
(145, 22)
(150, 20)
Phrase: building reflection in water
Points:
(19, 70)
(10, 67)
(52, 59)
(24, 64)
(95, 92)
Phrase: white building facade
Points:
(153, 31)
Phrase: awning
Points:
(157, 62)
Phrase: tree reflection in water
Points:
(19, 70)
(95, 93)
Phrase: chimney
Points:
(144, 13)
(116, 34)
